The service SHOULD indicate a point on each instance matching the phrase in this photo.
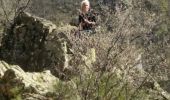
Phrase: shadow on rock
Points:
(32, 43)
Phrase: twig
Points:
(21, 9)
(5, 13)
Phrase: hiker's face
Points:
(86, 7)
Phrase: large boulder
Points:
(17, 83)
(32, 43)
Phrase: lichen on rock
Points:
(15, 81)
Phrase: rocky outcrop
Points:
(15, 82)
(32, 43)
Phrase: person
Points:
(87, 18)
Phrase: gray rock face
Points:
(32, 43)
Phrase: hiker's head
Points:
(85, 6)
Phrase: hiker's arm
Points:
(82, 19)
(80, 26)
(89, 22)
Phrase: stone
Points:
(32, 43)
(88, 60)
(3, 67)
(15, 81)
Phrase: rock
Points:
(88, 60)
(58, 54)
(16, 81)
(3, 67)
(90, 57)
(32, 43)
(66, 28)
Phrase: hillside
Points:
(128, 57)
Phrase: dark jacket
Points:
(90, 16)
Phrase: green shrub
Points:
(164, 5)
(97, 86)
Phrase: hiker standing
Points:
(87, 19)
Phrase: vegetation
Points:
(131, 44)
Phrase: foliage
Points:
(116, 43)
(16, 92)
(164, 5)
(99, 87)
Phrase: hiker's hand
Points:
(86, 20)
(89, 22)
(93, 23)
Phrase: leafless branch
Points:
(3, 8)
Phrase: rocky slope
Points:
(32, 43)
(37, 56)
(127, 58)
(32, 85)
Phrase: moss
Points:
(40, 79)
(162, 29)
(164, 5)
(16, 93)
(66, 91)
